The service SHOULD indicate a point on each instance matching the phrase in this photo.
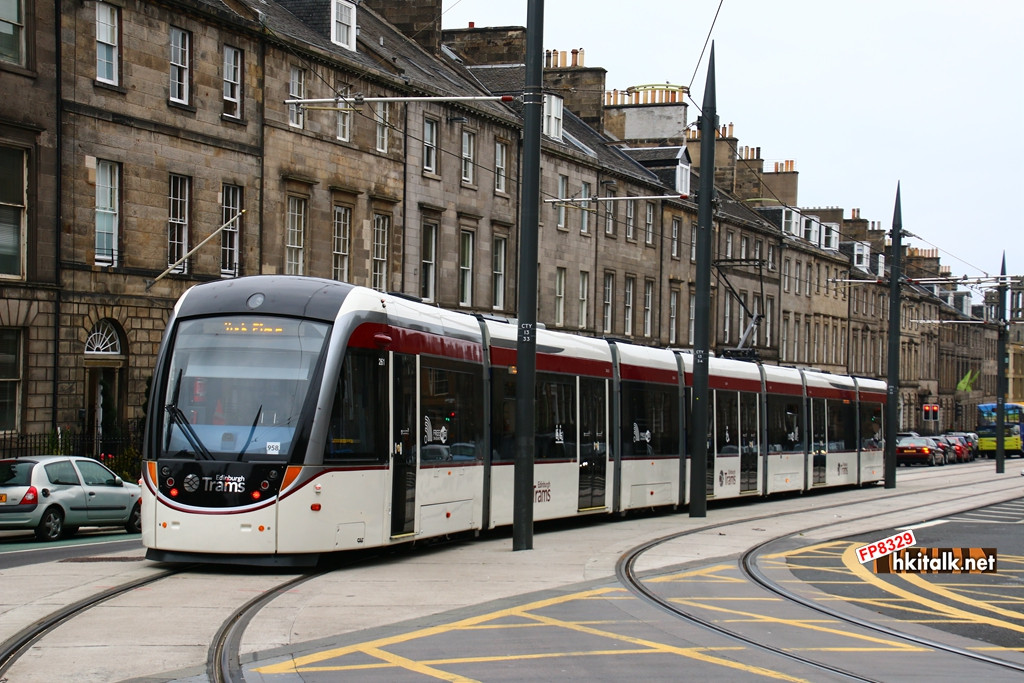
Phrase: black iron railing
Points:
(118, 447)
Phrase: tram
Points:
(293, 416)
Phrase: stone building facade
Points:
(172, 143)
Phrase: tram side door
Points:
(593, 444)
(403, 452)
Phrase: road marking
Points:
(375, 648)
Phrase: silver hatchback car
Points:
(55, 494)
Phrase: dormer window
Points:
(830, 236)
(683, 173)
(553, 116)
(861, 255)
(343, 24)
(811, 229)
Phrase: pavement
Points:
(164, 634)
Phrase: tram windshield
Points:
(236, 386)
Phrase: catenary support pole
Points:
(526, 343)
(893, 375)
(701, 321)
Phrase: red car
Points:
(919, 450)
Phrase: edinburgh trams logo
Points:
(221, 483)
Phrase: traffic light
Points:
(931, 412)
(959, 410)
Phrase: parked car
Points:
(919, 450)
(972, 442)
(960, 445)
(952, 447)
(53, 495)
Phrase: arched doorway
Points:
(105, 388)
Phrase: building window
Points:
(675, 237)
(630, 219)
(343, 24)
(673, 316)
(231, 219)
(12, 32)
(342, 243)
(727, 322)
(180, 65)
(744, 246)
(498, 272)
(649, 224)
(383, 125)
(559, 297)
(609, 301)
(10, 379)
(563, 193)
(729, 237)
(295, 237)
(178, 211)
(344, 123)
(609, 216)
(428, 263)
(584, 301)
(381, 231)
(693, 242)
(553, 116)
(429, 146)
(691, 334)
(500, 166)
(785, 275)
(233, 82)
(769, 320)
(468, 156)
(107, 212)
(798, 279)
(466, 268)
(648, 307)
(13, 212)
(627, 306)
(585, 208)
(296, 91)
(107, 43)
(784, 341)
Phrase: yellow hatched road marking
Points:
(375, 648)
(863, 573)
(800, 623)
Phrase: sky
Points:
(864, 96)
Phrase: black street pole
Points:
(1001, 387)
(526, 343)
(893, 374)
(701, 321)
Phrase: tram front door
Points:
(403, 454)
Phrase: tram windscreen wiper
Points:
(178, 418)
(241, 453)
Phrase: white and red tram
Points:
(295, 416)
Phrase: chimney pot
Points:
(472, 24)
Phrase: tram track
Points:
(627, 574)
(17, 645)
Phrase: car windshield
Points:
(16, 472)
(236, 386)
(914, 442)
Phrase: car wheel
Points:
(932, 462)
(134, 523)
(51, 526)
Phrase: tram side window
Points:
(842, 425)
(819, 437)
(593, 417)
(785, 426)
(556, 417)
(503, 415)
(358, 429)
(749, 434)
(727, 423)
(872, 431)
(650, 419)
(451, 400)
